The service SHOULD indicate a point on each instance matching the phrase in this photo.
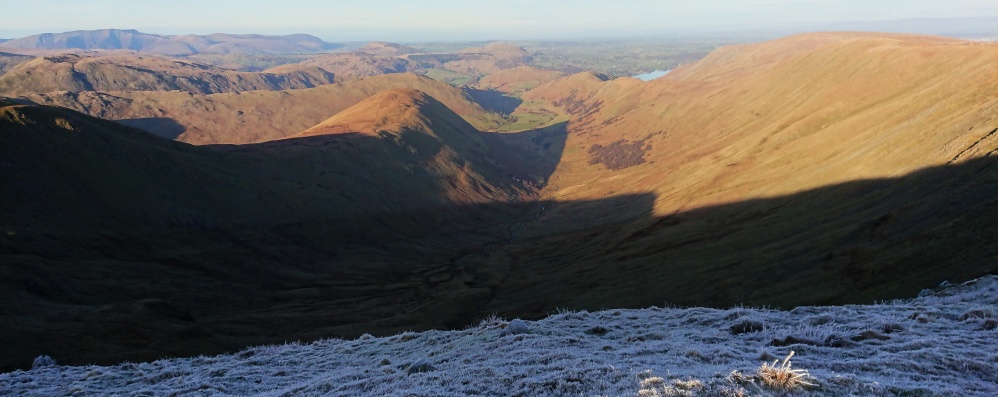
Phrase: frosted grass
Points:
(944, 343)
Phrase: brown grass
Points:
(780, 376)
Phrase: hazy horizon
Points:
(397, 20)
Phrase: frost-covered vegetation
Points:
(944, 343)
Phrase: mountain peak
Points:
(393, 111)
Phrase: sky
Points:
(462, 20)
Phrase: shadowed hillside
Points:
(176, 224)
(853, 242)
(282, 266)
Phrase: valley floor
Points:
(944, 343)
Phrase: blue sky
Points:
(399, 20)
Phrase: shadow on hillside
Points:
(407, 166)
(493, 100)
(163, 127)
(538, 151)
(854, 242)
(382, 260)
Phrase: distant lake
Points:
(652, 75)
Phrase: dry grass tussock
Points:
(780, 376)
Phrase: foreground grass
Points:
(941, 344)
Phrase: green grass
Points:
(531, 115)
(450, 77)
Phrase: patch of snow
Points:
(943, 343)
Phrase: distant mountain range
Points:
(116, 39)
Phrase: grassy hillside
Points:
(850, 166)
(519, 79)
(779, 117)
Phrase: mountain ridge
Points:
(130, 39)
(136, 71)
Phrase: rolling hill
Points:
(134, 71)
(489, 59)
(518, 80)
(350, 66)
(388, 49)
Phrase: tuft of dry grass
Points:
(780, 376)
(654, 386)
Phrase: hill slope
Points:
(822, 108)
(199, 240)
(519, 79)
(843, 163)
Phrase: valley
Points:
(195, 209)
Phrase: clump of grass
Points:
(492, 321)
(654, 386)
(780, 376)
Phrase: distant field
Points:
(249, 62)
(530, 115)
(621, 58)
(450, 77)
